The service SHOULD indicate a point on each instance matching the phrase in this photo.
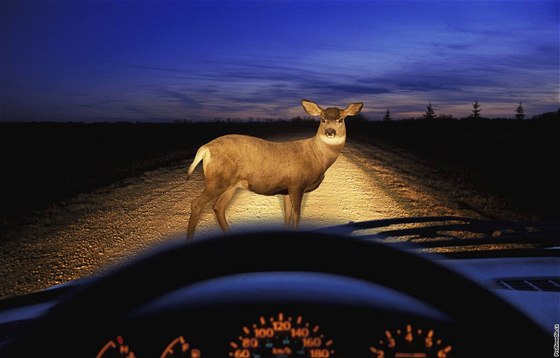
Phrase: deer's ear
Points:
(353, 109)
(311, 108)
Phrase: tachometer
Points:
(410, 342)
(281, 336)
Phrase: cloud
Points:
(345, 89)
(179, 97)
(98, 103)
(453, 71)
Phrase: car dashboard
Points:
(315, 295)
(283, 314)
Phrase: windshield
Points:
(105, 106)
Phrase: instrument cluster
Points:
(284, 334)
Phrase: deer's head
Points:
(332, 127)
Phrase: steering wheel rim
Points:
(184, 264)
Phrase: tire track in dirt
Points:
(97, 230)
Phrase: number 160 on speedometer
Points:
(281, 336)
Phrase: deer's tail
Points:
(202, 153)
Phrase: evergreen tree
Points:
(476, 111)
(446, 117)
(430, 114)
(520, 112)
(387, 116)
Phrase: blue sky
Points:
(175, 60)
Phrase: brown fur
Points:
(269, 168)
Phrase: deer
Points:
(289, 168)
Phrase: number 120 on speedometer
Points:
(281, 336)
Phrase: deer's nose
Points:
(329, 132)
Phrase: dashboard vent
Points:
(529, 284)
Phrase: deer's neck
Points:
(328, 149)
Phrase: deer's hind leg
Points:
(220, 207)
(210, 193)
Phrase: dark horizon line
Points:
(360, 117)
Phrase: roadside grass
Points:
(44, 164)
(507, 163)
(512, 163)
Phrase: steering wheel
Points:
(501, 330)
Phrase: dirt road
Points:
(96, 230)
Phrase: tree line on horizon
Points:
(429, 114)
(475, 114)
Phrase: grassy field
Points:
(513, 161)
(46, 163)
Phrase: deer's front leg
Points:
(296, 196)
(287, 210)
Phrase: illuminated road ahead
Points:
(348, 193)
(97, 230)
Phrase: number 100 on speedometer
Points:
(281, 336)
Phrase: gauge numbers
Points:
(179, 347)
(281, 336)
(410, 343)
(115, 348)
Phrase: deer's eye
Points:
(323, 120)
(339, 120)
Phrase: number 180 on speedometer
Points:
(281, 336)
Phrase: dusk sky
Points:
(181, 60)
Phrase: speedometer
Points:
(281, 336)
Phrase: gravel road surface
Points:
(97, 230)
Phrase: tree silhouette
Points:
(476, 111)
(430, 114)
(520, 112)
(446, 117)
(387, 116)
